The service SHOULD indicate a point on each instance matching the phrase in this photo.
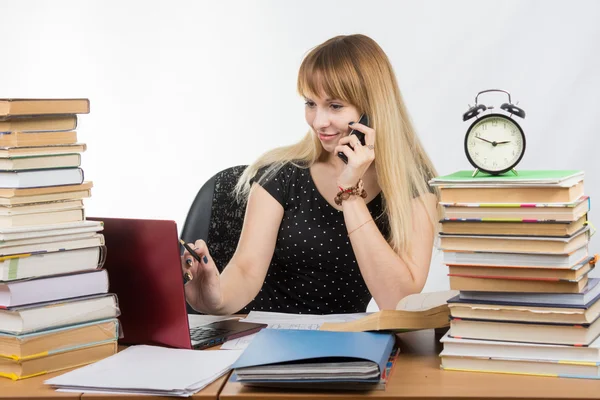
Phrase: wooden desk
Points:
(417, 376)
(32, 388)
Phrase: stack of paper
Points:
(150, 370)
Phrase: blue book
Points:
(289, 358)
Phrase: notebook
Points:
(280, 358)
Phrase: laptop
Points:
(144, 271)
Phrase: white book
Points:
(48, 264)
(51, 246)
(53, 288)
(27, 232)
(41, 207)
(534, 351)
(54, 161)
(555, 368)
(53, 217)
(41, 178)
(35, 317)
(46, 239)
(537, 260)
(546, 333)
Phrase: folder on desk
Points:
(307, 358)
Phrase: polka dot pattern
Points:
(313, 269)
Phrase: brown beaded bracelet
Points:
(345, 194)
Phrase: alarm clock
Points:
(495, 142)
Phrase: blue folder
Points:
(282, 346)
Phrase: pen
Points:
(187, 276)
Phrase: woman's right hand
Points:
(204, 291)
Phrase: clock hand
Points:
(504, 142)
(485, 140)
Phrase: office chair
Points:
(216, 217)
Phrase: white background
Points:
(182, 89)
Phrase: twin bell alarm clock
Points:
(494, 142)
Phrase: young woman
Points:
(321, 235)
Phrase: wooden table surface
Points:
(33, 388)
(417, 375)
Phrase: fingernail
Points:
(205, 259)
(189, 262)
(350, 123)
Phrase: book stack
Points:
(55, 309)
(516, 247)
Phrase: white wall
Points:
(182, 89)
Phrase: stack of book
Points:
(55, 309)
(516, 247)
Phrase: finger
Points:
(202, 250)
(361, 128)
(368, 131)
(346, 150)
(347, 140)
(351, 141)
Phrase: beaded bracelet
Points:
(344, 194)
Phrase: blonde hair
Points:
(355, 69)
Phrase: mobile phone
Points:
(361, 136)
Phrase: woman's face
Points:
(329, 119)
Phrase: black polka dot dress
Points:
(313, 269)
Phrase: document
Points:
(287, 321)
(149, 370)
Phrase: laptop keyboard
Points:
(203, 337)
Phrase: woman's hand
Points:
(204, 291)
(359, 157)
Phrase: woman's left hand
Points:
(359, 156)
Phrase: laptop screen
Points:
(144, 271)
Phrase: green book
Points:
(561, 178)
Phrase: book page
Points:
(425, 301)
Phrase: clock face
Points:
(495, 143)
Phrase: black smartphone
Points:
(361, 136)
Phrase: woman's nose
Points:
(321, 120)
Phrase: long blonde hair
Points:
(355, 69)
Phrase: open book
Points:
(414, 312)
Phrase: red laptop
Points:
(144, 270)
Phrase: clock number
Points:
(484, 127)
(495, 122)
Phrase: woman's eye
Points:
(309, 103)
(336, 106)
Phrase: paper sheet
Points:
(287, 321)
